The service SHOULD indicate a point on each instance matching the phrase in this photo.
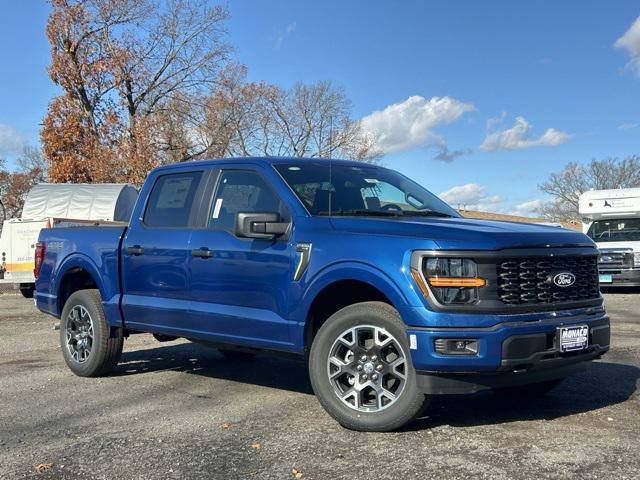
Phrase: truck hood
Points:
(634, 245)
(466, 233)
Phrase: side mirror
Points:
(260, 225)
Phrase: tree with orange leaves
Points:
(147, 83)
(121, 65)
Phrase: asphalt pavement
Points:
(180, 410)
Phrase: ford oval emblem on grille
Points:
(564, 279)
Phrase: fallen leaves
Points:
(43, 467)
(226, 426)
(256, 446)
(296, 473)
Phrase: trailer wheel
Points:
(89, 347)
(27, 290)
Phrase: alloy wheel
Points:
(367, 368)
(79, 333)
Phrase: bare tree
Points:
(14, 185)
(148, 82)
(566, 186)
(32, 160)
(254, 118)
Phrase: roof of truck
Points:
(266, 160)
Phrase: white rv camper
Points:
(612, 219)
(48, 205)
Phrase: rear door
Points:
(155, 253)
(239, 289)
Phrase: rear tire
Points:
(361, 369)
(531, 391)
(89, 347)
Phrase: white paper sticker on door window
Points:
(216, 208)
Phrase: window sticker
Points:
(216, 208)
(174, 193)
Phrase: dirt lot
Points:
(178, 410)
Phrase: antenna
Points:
(330, 184)
(330, 161)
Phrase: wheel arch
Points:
(341, 285)
(79, 272)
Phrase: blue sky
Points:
(512, 90)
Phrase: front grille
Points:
(528, 280)
(612, 259)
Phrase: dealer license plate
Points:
(573, 338)
(606, 278)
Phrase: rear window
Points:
(171, 200)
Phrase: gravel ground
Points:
(179, 410)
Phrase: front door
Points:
(156, 254)
(239, 288)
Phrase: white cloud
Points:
(628, 126)
(528, 209)
(471, 196)
(10, 140)
(630, 42)
(409, 124)
(495, 121)
(280, 37)
(518, 137)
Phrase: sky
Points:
(478, 101)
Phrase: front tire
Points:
(88, 347)
(361, 369)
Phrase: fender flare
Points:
(340, 271)
(83, 262)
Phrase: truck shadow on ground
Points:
(603, 384)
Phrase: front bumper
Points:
(622, 278)
(509, 354)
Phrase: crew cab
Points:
(389, 294)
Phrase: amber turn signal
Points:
(420, 282)
(459, 282)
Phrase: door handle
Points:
(202, 253)
(135, 250)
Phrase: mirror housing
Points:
(266, 225)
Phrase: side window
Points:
(242, 191)
(171, 200)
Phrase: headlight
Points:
(636, 259)
(453, 281)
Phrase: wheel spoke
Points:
(394, 367)
(344, 338)
(339, 367)
(354, 394)
(382, 338)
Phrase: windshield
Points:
(363, 191)
(615, 230)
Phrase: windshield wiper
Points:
(364, 213)
(426, 213)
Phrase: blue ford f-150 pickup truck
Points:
(384, 288)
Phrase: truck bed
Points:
(95, 249)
